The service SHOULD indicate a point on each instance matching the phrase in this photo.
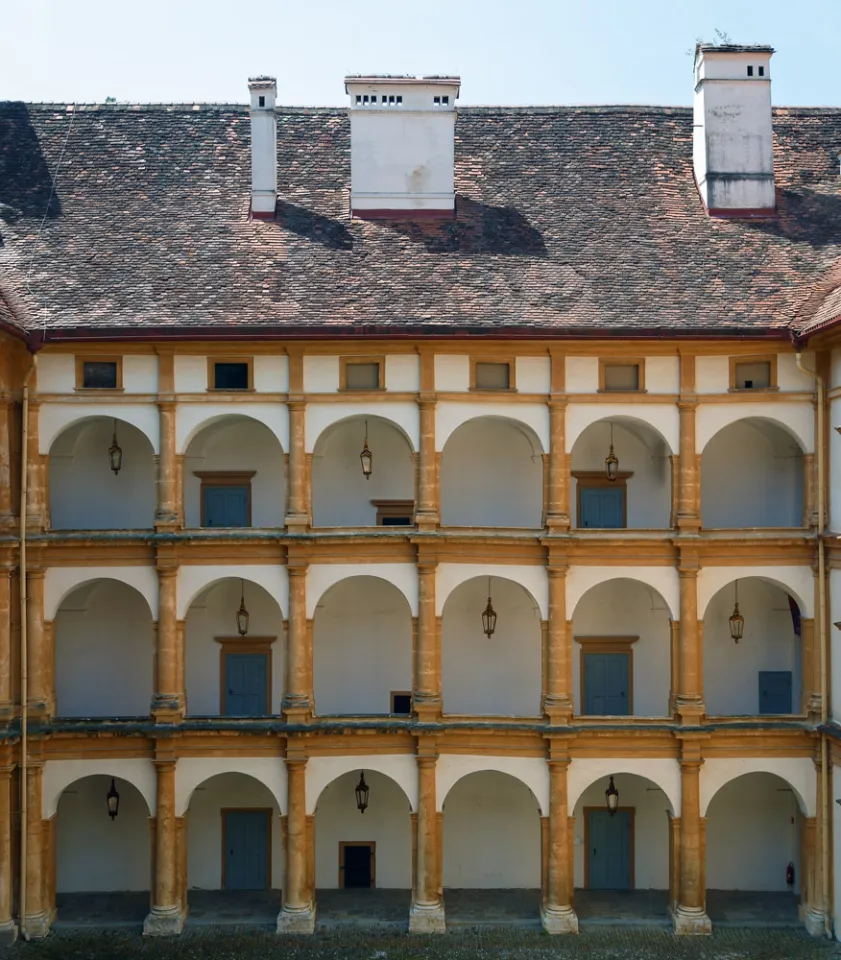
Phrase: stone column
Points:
(427, 911)
(688, 508)
(426, 695)
(6, 512)
(6, 707)
(40, 696)
(166, 514)
(810, 514)
(558, 705)
(810, 669)
(557, 914)
(813, 916)
(427, 514)
(690, 702)
(36, 474)
(690, 917)
(167, 700)
(165, 918)
(298, 912)
(557, 514)
(36, 915)
(298, 517)
(8, 928)
(296, 700)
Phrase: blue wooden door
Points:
(246, 849)
(226, 506)
(609, 851)
(775, 691)
(602, 507)
(246, 685)
(606, 684)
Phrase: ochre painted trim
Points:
(211, 375)
(82, 359)
(622, 361)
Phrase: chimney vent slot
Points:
(262, 101)
(762, 71)
(750, 71)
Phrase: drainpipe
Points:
(24, 677)
(822, 638)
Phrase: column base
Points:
(691, 922)
(163, 922)
(296, 920)
(690, 711)
(813, 921)
(8, 933)
(558, 523)
(167, 708)
(427, 918)
(37, 925)
(427, 711)
(297, 523)
(296, 711)
(426, 522)
(558, 711)
(559, 919)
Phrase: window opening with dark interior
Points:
(401, 703)
(753, 376)
(229, 375)
(362, 376)
(621, 376)
(493, 376)
(99, 374)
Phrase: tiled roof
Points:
(571, 221)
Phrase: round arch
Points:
(795, 581)
(654, 592)
(55, 419)
(533, 580)
(662, 580)
(194, 772)
(322, 417)
(192, 419)
(61, 774)
(664, 774)
(60, 582)
(531, 772)
(400, 770)
(643, 430)
(662, 421)
(329, 428)
(798, 773)
(193, 580)
(796, 421)
(532, 420)
(322, 577)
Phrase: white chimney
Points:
(263, 91)
(733, 152)
(402, 145)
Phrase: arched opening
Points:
(234, 476)
(234, 850)
(497, 675)
(753, 833)
(641, 494)
(363, 861)
(622, 861)
(103, 864)
(762, 673)
(104, 652)
(752, 476)
(492, 475)
(622, 651)
(491, 842)
(85, 493)
(342, 496)
(228, 674)
(362, 649)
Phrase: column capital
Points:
(167, 569)
(427, 401)
(687, 403)
(297, 568)
(557, 570)
(296, 403)
(557, 401)
(688, 569)
(35, 573)
(296, 761)
(427, 565)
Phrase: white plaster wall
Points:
(835, 644)
(629, 608)
(533, 374)
(663, 580)
(731, 670)
(140, 373)
(386, 822)
(660, 419)
(582, 374)
(60, 581)
(59, 774)
(402, 414)
(834, 457)
(534, 418)
(104, 650)
(362, 647)
(491, 476)
(797, 417)
(321, 374)
(532, 772)
(491, 676)
(836, 846)
(320, 577)
(341, 495)
(193, 579)
(662, 375)
(204, 828)
(271, 374)
(193, 772)
(752, 476)
(797, 772)
(53, 418)
(213, 614)
(452, 373)
(649, 490)
(56, 373)
(190, 374)
(712, 375)
(85, 494)
(798, 581)
(401, 769)
(402, 372)
(650, 824)
(596, 771)
(491, 834)
(193, 418)
(789, 377)
(752, 834)
(96, 853)
(238, 443)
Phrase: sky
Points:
(506, 51)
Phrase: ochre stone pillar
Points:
(428, 512)
(36, 474)
(674, 861)
(690, 917)
(6, 511)
(426, 694)
(674, 665)
(427, 911)
(298, 516)
(688, 508)
(690, 703)
(810, 513)
(166, 917)
(557, 513)
(5, 644)
(40, 697)
(813, 915)
(298, 913)
(8, 928)
(557, 914)
(296, 700)
(168, 699)
(166, 514)
(37, 917)
(810, 699)
(558, 705)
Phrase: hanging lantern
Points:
(242, 614)
(362, 790)
(366, 457)
(737, 621)
(489, 615)
(115, 453)
(611, 461)
(611, 796)
(112, 798)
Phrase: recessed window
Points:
(753, 373)
(602, 504)
(624, 377)
(99, 373)
(750, 71)
(401, 703)
(395, 513)
(761, 71)
(492, 375)
(230, 374)
(363, 374)
(225, 498)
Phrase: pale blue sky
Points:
(506, 51)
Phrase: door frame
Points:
(587, 812)
(592, 479)
(604, 645)
(226, 810)
(357, 843)
(225, 478)
(241, 645)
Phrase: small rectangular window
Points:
(225, 498)
(101, 373)
(761, 71)
(401, 703)
(491, 376)
(753, 374)
(394, 513)
(621, 377)
(750, 71)
(362, 374)
(229, 374)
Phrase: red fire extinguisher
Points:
(790, 874)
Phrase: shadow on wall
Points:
(25, 182)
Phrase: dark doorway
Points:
(356, 865)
